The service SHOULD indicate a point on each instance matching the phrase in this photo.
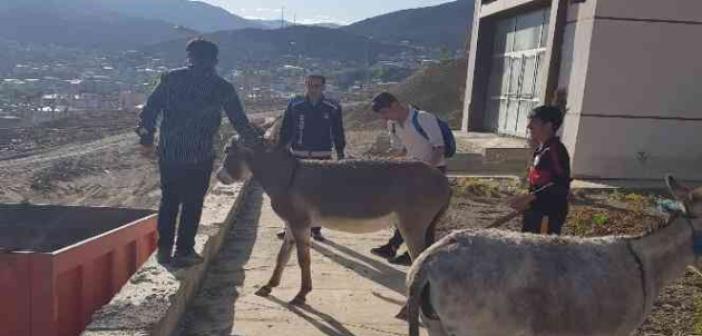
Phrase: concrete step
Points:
(489, 154)
(509, 161)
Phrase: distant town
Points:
(36, 91)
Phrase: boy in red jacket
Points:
(545, 211)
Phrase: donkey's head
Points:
(235, 167)
(262, 156)
(691, 199)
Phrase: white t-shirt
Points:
(405, 135)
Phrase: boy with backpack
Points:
(418, 135)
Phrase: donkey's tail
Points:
(430, 237)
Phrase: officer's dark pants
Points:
(397, 240)
(183, 187)
(539, 221)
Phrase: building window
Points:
(517, 68)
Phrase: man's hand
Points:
(437, 154)
(522, 202)
(147, 151)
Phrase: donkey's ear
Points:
(679, 191)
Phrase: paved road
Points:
(354, 292)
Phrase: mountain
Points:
(272, 24)
(195, 15)
(78, 23)
(261, 45)
(445, 25)
(437, 88)
(330, 25)
(275, 24)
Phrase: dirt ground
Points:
(66, 163)
(354, 292)
(88, 160)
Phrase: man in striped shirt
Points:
(190, 103)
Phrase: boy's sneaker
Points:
(385, 251)
(317, 235)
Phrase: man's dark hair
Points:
(316, 76)
(383, 100)
(202, 49)
(551, 114)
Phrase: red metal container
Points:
(60, 264)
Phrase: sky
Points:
(314, 11)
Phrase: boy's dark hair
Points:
(317, 76)
(551, 114)
(383, 100)
(202, 49)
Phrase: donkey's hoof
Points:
(403, 315)
(298, 301)
(264, 291)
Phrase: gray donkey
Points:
(356, 196)
(492, 282)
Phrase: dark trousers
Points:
(537, 221)
(183, 187)
(397, 240)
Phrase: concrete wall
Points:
(573, 74)
(675, 10)
(639, 112)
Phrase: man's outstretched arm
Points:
(235, 112)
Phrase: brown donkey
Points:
(356, 196)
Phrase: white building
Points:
(632, 69)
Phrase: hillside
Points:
(195, 15)
(259, 45)
(445, 25)
(437, 88)
(78, 23)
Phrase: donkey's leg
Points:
(302, 242)
(281, 261)
(416, 229)
(420, 230)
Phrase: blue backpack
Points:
(449, 140)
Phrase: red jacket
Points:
(551, 164)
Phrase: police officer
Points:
(312, 127)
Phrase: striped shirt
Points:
(190, 104)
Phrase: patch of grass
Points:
(477, 187)
(600, 219)
(580, 225)
(586, 222)
(637, 203)
(697, 308)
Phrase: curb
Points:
(155, 298)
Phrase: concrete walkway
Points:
(354, 292)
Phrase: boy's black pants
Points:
(545, 222)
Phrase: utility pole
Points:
(282, 17)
